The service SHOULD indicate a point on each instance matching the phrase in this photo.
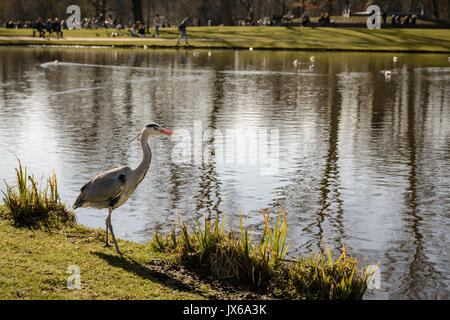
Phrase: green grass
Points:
(34, 265)
(30, 206)
(401, 39)
(40, 240)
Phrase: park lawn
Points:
(29, 270)
(294, 38)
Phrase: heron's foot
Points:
(106, 245)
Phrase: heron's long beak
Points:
(165, 131)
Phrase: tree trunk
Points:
(435, 8)
(137, 10)
(203, 11)
(148, 16)
(103, 8)
(448, 9)
(329, 6)
(96, 5)
(227, 18)
(414, 5)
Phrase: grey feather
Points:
(104, 187)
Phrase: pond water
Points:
(363, 161)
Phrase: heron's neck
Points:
(142, 169)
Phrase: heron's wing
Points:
(106, 186)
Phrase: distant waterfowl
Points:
(395, 59)
(387, 75)
(296, 62)
(56, 62)
(209, 54)
(251, 49)
(312, 59)
(196, 54)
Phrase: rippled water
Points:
(363, 160)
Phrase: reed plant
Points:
(262, 265)
(28, 205)
(321, 277)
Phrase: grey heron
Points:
(112, 188)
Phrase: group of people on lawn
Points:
(138, 29)
(51, 26)
(55, 26)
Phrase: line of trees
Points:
(227, 12)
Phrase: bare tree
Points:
(227, 16)
(137, 10)
(435, 4)
(448, 9)
(224, 11)
(247, 4)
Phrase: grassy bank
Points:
(293, 38)
(34, 265)
(40, 241)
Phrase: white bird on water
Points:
(56, 62)
(112, 188)
(387, 75)
(296, 62)
(395, 59)
(312, 59)
(195, 54)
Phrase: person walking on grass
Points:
(182, 28)
(157, 23)
(48, 26)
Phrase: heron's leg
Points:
(108, 221)
(114, 238)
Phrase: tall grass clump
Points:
(321, 277)
(30, 206)
(262, 265)
(215, 249)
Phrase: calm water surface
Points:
(364, 162)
